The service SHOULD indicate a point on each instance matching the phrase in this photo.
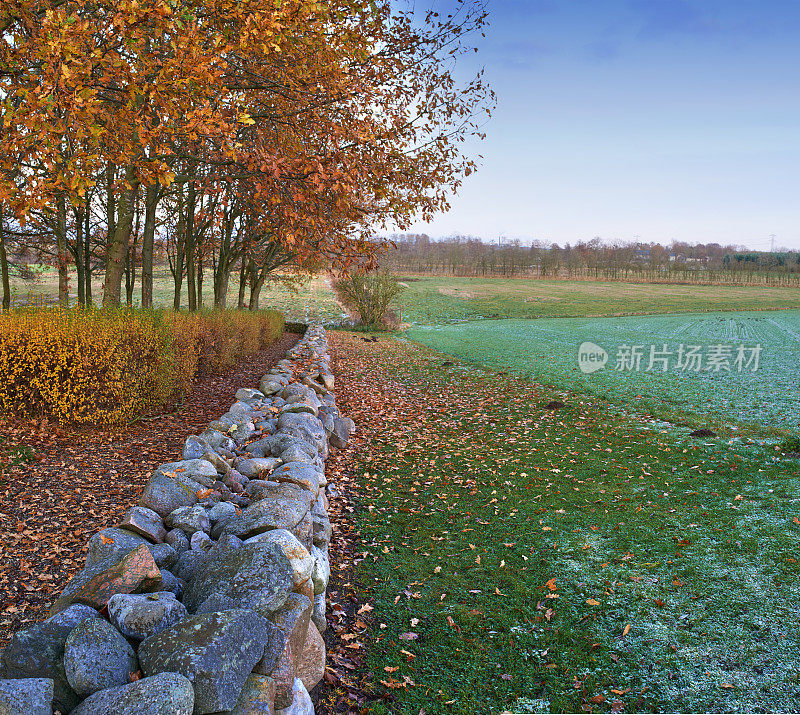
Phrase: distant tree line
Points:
(595, 260)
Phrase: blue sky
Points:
(663, 119)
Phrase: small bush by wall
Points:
(108, 367)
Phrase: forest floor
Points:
(503, 555)
(60, 485)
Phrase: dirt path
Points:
(83, 479)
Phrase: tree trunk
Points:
(87, 254)
(4, 266)
(78, 255)
(151, 202)
(118, 242)
(257, 279)
(242, 282)
(130, 258)
(61, 245)
(221, 279)
(191, 265)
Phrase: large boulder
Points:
(300, 560)
(256, 576)
(311, 665)
(293, 619)
(301, 701)
(27, 696)
(255, 467)
(96, 657)
(266, 515)
(145, 522)
(216, 651)
(160, 694)
(188, 519)
(38, 652)
(166, 492)
(110, 543)
(139, 616)
(299, 473)
(342, 428)
(321, 573)
(257, 698)
(318, 615)
(135, 572)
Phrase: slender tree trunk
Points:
(242, 283)
(118, 242)
(256, 284)
(130, 258)
(78, 254)
(4, 265)
(61, 245)
(180, 246)
(221, 280)
(191, 278)
(87, 254)
(151, 202)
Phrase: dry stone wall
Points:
(209, 596)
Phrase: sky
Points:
(651, 120)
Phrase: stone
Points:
(342, 429)
(318, 613)
(222, 511)
(316, 386)
(322, 529)
(259, 489)
(96, 657)
(259, 448)
(328, 421)
(136, 572)
(306, 427)
(282, 442)
(296, 453)
(300, 473)
(216, 651)
(255, 576)
(216, 461)
(282, 674)
(145, 522)
(293, 619)
(218, 440)
(201, 541)
(177, 540)
(27, 696)
(160, 694)
(299, 407)
(311, 664)
(164, 555)
(270, 385)
(300, 560)
(301, 701)
(304, 532)
(248, 393)
(256, 466)
(195, 447)
(172, 583)
(321, 573)
(72, 616)
(163, 494)
(257, 698)
(328, 380)
(38, 652)
(111, 543)
(139, 616)
(198, 470)
(188, 563)
(189, 519)
(242, 408)
(266, 515)
(241, 426)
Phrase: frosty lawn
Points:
(545, 351)
(572, 560)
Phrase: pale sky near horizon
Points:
(662, 119)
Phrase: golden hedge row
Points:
(109, 367)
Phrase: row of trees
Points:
(243, 136)
(712, 263)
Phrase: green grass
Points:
(545, 351)
(441, 300)
(480, 506)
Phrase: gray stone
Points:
(296, 453)
(111, 543)
(298, 407)
(96, 657)
(140, 616)
(255, 576)
(195, 447)
(219, 440)
(72, 616)
(293, 619)
(27, 696)
(163, 494)
(300, 559)
(311, 665)
(322, 528)
(217, 461)
(318, 617)
(257, 698)
(188, 563)
(222, 511)
(281, 442)
(189, 519)
(342, 429)
(271, 384)
(253, 468)
(243, 408)
(216, 651)
(145, 522)
(267, 514)
(304, 475)
(198, 470)
(177, 540)
(301, 701)
(171, 583)
(38, 652)
(321, 572)
(241, 428)
(201, 541)
(248, 393)
(160, 694)
(305, 426)
(164, 555)
(259, 448)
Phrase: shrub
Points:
(109, 367)
(369, 297)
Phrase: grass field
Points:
(545, 351)
(443, 300)
(576, 560)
